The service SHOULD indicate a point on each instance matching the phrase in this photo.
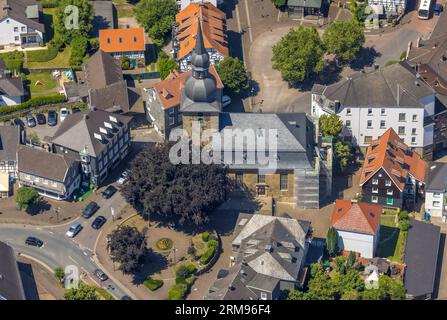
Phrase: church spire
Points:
(200, 59)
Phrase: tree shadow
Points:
(366, 58)
(28, 281)
(154, 262)
(329, 75)
(41, 207)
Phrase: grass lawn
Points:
(48, 83)
(124, 12)
(62, 60)
(392, 240)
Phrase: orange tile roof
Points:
(395, 157)
(122, 40)
(213, 26)
(356, 217)
(169, 89)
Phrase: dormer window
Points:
(120, 40)
(108, 40)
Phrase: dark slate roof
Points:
(9, 141)
(10, 86)
(436, 177)
(11, 287)
(104, 17)
(102, 70)
(421, 256)
(42, 163)
(19, 9)
(394, 85)
(83, 125)
(112, 98)
(304, 3)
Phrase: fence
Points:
(53, 106)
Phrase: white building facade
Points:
(13, 32)
(364, 244)
(436, 190)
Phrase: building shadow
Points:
(387, 248)
(439, 267)
(235, 44)
(28, 281)
(366, 58)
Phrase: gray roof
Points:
(112, 98)
(421, 256)
(83, 125)
(104, 17)
(305, 3)
(394, 85)
(10, 86)
(23, 11)
(9, 141)
(42, 163)
(101, 70)
(11, 287)
(75, 90)
(436, 177)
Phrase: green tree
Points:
(59, 274)
(83, 292)
(350, 295)
(332, 241)
(166, 65)
(279, 3)
(298, 55)
(66, 17)
(26, 197)
(157, 18)
(330, 125)
(344, 38)
(343, 155)
(351, 260)
(79, 46)
(233, 74)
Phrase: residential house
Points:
(392, 174)
(53, 175)
(105, 16)
(269, 256)
(388, 8)
(421, 259)
(11, 88)
(98, 139)
(21, 23)
(213, 28)
(101, 84)
(121, 43)
(369, 103)
(436, 190)
(429, 59)
(358, 226)
(10, 138)
(296, 171)
(11, 286)
(302, 8)
(162, 101)
(4, 185)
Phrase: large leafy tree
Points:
(83, 292)
(233, 74)
(330, 125)
(26, 197)
(344, 38)
(71, 23)
(187, 192)
(332, 241)
(298, 55)
(157, 17)
(127, 247)
(343, 155)
(166, 65)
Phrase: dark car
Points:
(98, 222)
(100, 275)
(109, 192)
(33, 241)
(90, 210)
(30, 121)
(41, 118)
(126, 298)
(438, 9)
(18, 122)
(75, 110)
(52, 118)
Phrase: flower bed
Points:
(164, 244)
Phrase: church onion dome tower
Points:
(200, 87)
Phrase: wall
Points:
(357, 242)
(7, 34)
(430, 197)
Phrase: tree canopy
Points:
(343, 155)
(332, 241)
(26, 197)
(166, 65)
(157, 18)
(69, 25)
(127, 247)
(83, 292)
(330, 125)
(344, 38)
(298, 54)
(233, 74)
(187, 192)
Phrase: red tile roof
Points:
(122, 40)
(356, 217)
(395, 157)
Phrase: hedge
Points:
(209, 253)
(205, 236)
(177, 291)
(153, 284)
(43, 55)
(33, 103)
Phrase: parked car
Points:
(33, 241)
(74, 229)
(75, 110)
(98, 222)
(438, 9)
(126, 298)
(63, 113)
(90, 210)
(30, 121)
(100, 275)
(109, 192)
(52, 118)
(18, 122)
(41, 118)
(226, 101)
(123, 177)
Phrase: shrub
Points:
(44, 55)
(177, 292)
(206, 257)
(33, 103)
(182, 272)
(404, 225)
(191, 268)
(212, 243)
(190, 280)
(403, 215)
(50, 3)
(59, 274)
(153, 284)
(13, 60)
(205, 236)
(26, 197)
